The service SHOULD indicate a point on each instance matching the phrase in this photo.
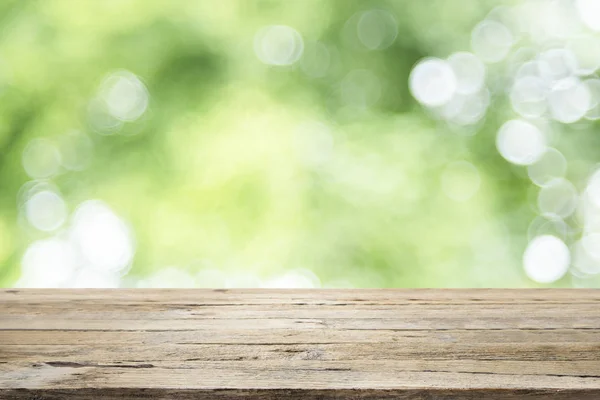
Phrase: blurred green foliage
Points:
(213, 172)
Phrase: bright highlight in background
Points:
(520, 142)
(102, 238)
(546, 259)
(433, 82)
(125, 96)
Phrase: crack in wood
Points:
(70, 364)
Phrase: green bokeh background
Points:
(212, 175)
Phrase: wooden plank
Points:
(300, 344)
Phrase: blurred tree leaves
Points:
(211, 170)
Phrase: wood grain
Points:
(300, 344)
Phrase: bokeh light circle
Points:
(569, 100)
(377, 29)
(278, 45)
(551, 165)
(433, 82)
(528, 96)
(546, 259)
(41, 158)
(491, 41)
(102, 238)
(558, 197)
(521, 142)
(125, 96)
(46, 210)
(469, 72)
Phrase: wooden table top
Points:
(300, 344)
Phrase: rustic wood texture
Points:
(300, 344)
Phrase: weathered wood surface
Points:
(300, 344)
